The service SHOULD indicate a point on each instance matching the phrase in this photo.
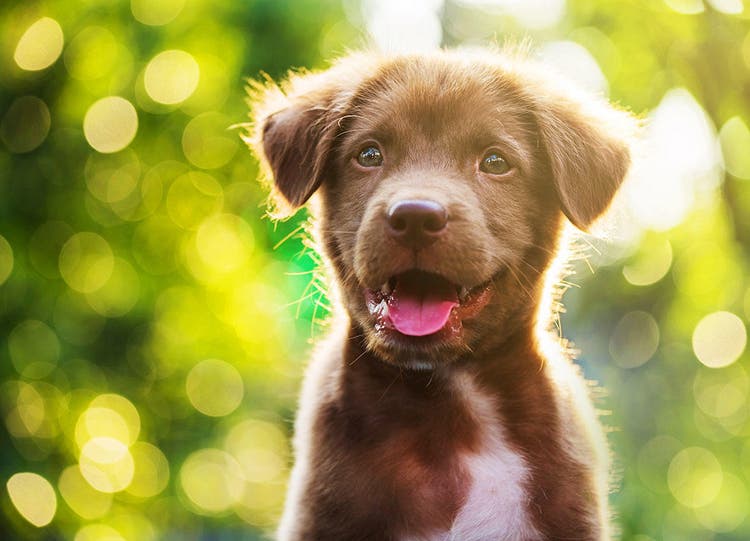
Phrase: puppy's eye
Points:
(493, 163)
(370, 156)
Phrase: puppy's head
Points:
(443, 182)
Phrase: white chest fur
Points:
(496, 505)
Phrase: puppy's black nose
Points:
(416, 223)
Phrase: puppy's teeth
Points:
(381, 310)
(463, 293)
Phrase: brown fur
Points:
(384, 421)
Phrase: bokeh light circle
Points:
(651, 264)
(112, 177)
(213, 88)
(224, 243)
(124, 408)
(729, 509)
(722, 393)
(695, 477)
(6, 259)
(735, 140)
(92, 53)
(40, 45)
(151, 474)
(530, 14)
(101, 422)
(212, 480)
(33, 497)
(109, 416)
(171, 77)
(24, 408)
(576, 62)
(686, 7)
(106, 464)
(719, 339)
(154, 243)
(730, 7)
(634, 340)
(25, 125)
(261, 449)
(98, 532)
(697, 275)
(110, 124)
(654, 457)
(34, 349)
(214, 387)
(403, 27)
(119, 294)
(86, 262)
(156, 13)
(192, 198)
(81, 497)
(207, 141)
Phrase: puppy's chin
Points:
(414, 353)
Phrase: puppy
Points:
(440, 407)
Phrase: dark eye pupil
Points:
(494, 164)
(370, 157)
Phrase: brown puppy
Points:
(440, 408)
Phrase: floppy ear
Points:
(295, 125)
(293, 134)
(588, 145)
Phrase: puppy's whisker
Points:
(532, 267)
(524, 287)
(358, 357)
(390, 385)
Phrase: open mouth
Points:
(419, 303)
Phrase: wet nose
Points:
(416, 223)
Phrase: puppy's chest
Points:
(494, 495)
(496, 500)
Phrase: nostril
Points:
(416, 222)
(398, 223)
(435, 222)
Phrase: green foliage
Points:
(154, 324)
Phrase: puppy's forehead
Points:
(433, 96)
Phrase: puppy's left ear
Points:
(588, 144)
(295, 125)
(292, 135)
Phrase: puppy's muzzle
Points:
(416, 223)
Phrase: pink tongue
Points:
(419, 307)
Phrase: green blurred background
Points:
(154, 325)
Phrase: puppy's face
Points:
(433, 201)
(443, 184)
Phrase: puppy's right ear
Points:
(295, 125)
